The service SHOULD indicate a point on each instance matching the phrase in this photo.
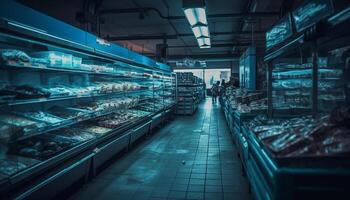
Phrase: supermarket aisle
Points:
(155, 169)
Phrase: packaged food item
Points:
(8, 132)
(57, 59)
(75, 134)
(43, 116)
(336, 143)
(9, 167)
(12, 56)
(44, 147)
(24, 124)
(24, 92)
(97, 130)
(66, 112)
(76, 62)
(40, 62)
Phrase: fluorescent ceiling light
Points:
(196, 16)
(200, 31)
(204, 42)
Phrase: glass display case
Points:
(292, 85)
(55, 100)
(305, 136)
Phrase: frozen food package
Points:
(66, 112)
(271, 133)
(24, 92)
(12, 55)
(75, 134)
(306, 150)
(42, 116)
(9, 167)
(337, 142)
(98, 130)
(21, 122)
(40, 62)
(8, 132)
(57, 59)
(59, 91)
(44, 147)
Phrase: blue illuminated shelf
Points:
(45, 100)
(66, 70)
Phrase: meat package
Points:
(328, 135)
(44, 147)
(8, 132)
(67, 113)
(96, 130)
(10, 165)
(24, 92)
(117, 120)
(21, 124)
(75, 134)
(14, 56)
(42, 116)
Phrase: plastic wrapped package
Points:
(21, 123)
(57, 59)
(336, 143)
(67, 113)
(40, 62)
(96, 130)
(12, 56)
(76, 62)
(75, 134)
(43, 116)
(59, 91)
(8, 132)
(42, 148)
(24, 92)
(11, 165)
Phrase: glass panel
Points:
(310, 12)
(52, 99)
(279, 32)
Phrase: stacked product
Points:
(305, 136)
(244, 101)
(189, 92)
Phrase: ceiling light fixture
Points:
(195, 13)
(200, 31)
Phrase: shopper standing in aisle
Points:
(215, 91)
(222, 88)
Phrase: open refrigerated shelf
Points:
(78, 67)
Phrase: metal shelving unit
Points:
(142, 84)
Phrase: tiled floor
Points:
(192, 157)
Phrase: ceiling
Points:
(140, 25)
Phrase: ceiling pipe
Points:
(213, 45)
(226, 15)
(162, 37)
(206, 57)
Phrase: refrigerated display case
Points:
(300, 149)
(67, 106)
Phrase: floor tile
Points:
(195, 195)
(192, 157)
